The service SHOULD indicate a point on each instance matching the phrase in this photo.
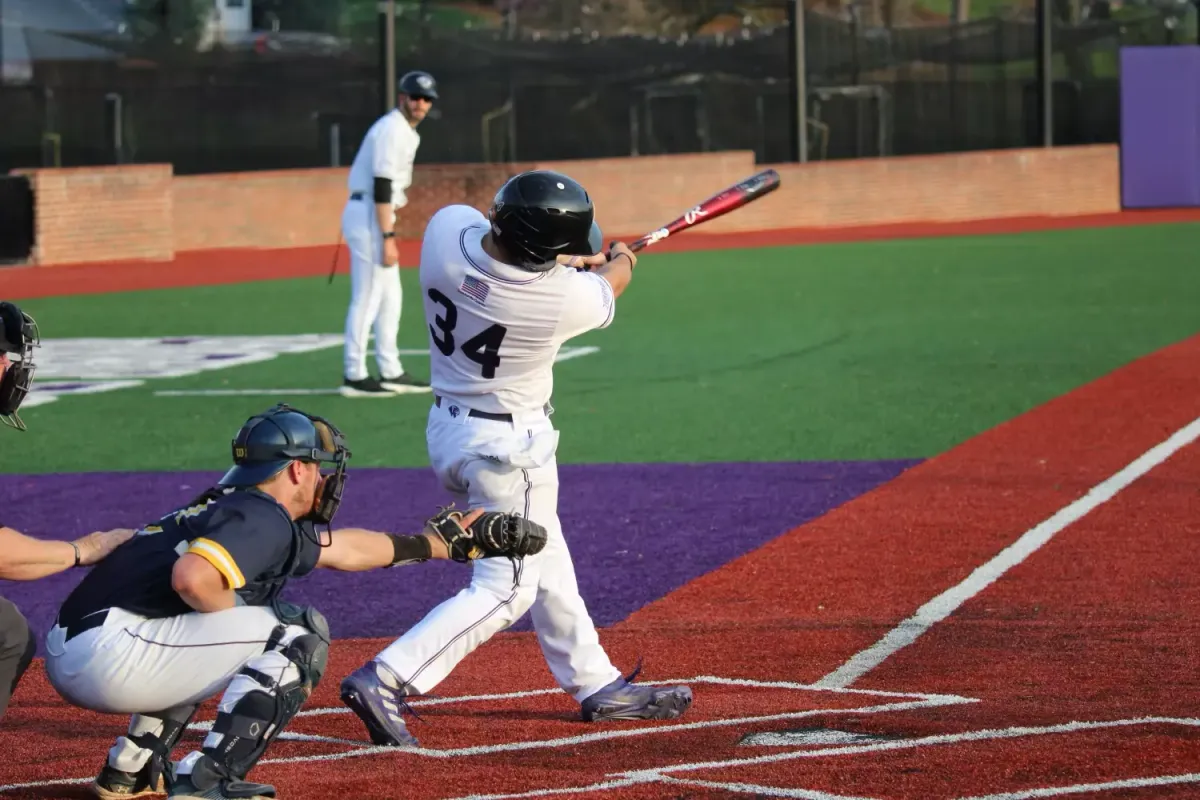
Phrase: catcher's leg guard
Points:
(243, 732)
(157, 733)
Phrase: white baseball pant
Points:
(511, 467)
(134, 665)
(375, 295)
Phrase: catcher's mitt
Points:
(492, 534)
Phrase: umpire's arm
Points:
(24, 558)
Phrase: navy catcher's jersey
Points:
(244, 533)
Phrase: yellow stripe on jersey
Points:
(219, 557)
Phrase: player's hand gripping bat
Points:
(736, 196)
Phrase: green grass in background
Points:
(870, 350)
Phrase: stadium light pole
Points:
(387, 52)
(799, 102)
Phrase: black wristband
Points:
(409, 549)
(389, 234)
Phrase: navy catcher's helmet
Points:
(270, 441)
(418, 84)
(540, 215)
(18, 337)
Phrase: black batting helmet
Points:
(418, 84)
(539, 215)
(18, 338)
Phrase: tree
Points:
(168, 24)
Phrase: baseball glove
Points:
(492, 534)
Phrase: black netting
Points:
(145, 81)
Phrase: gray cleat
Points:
(376, 695)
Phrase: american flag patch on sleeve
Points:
(475, 289)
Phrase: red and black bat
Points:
(736, 196)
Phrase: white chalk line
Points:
(565, 354)
(761, 791)
(912, 700)
(1081, 788)
(666, 774)
(908, 744)
(950, 600)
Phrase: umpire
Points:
(23, 558)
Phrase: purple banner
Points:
(1160, 126)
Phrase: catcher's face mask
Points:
(328, 494)
(18, 338)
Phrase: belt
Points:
(357, 195)
(86, 624)
(474, 412)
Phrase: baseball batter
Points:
(190, 607)
(500, 301)
(379, 177)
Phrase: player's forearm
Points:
(618, 273)
(23, 558)
(356, 550)
(385, 216)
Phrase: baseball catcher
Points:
(18, 337)
(191, 607)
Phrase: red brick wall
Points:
(941, 188)
(142, 212)
(102, 213)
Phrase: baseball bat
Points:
(741, 193)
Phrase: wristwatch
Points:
(389, 235)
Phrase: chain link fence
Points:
(230, 85)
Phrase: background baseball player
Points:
(380, 175)
(499, 307)
(24, 558)
(190, 607)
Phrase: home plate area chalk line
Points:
(676, 774)
(896, 701)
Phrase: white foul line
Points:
(950, 600)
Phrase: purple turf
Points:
(636, 531)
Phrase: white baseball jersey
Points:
(495, 329)
(387, 151)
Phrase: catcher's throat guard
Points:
(18, 337)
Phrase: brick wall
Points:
(102, 213)
(941, 188)
(143, 212)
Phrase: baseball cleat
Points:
(367, 387)
(376, 695)
(225, 790)
(405, 384)
(113, 784)
(624, 700)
